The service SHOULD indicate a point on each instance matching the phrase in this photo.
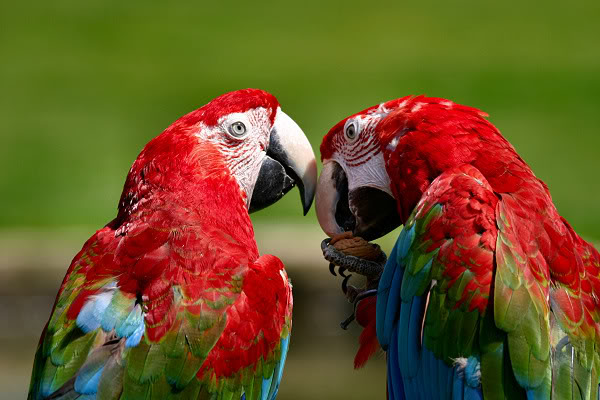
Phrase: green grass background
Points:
(84, 85)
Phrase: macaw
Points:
(171, 300)
(488, 292)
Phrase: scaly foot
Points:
(356, 255)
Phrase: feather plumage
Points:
(171, 299)
(485, 270)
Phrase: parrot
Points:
(488, 293)
(171, 299)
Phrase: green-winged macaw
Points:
(171, 300)
(488, 293)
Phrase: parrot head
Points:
(377, 163)
(241, 136)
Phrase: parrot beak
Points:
(290, 161)
(365, 211)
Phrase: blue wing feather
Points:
(413, 370)
(270, 385)
(395, 384)
(386, 310)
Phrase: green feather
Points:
(145, 362)
(160, 388)
(173, 343)
(111, 382)
(497, 378)
(190, 392)
(516, 312)
(133, 389)
(181, 370)
(201, 341)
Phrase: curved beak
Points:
(332, 190)
(290, 161)
(365, 211)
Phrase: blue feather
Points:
(405, 240)
(390, 388)
(88, 383)
(472, 372)
(393, 307)
(135, 338)
(388, 299)
(467, 380)
(395, 382)
(449, 381)
(101, 311)
(278, 372)
(444, 373)
(411, 316)
(423, 384)
(90, 315)
(266, 385)
(414, 372)
(425, 371)
(472, 393)
(383, 319)
(131, 324)
(457, 386)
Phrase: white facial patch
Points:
(371, 173)
(362, 159)
(245, 154)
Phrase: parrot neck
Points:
(190, 186)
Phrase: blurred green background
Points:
(84, 85)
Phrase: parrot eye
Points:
(350, 131)
(237, 129)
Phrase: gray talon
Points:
(345, 283)
(332, 269)
(344, 324)
(370, 269)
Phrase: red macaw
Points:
(171, 298)
(488, 292)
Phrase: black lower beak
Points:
(366, 211)
(375, 212)
(289, 162)
(272, 184)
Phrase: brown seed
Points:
(355, 246)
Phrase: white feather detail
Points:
(91, 313)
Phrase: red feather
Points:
(421, 138)
(368, 344)
(183, 222)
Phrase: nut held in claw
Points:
(356, 246)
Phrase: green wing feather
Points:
(100, 355)
(539, 336)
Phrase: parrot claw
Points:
(345, 323)
(345, 283)
(332, 269)
(371, 269)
